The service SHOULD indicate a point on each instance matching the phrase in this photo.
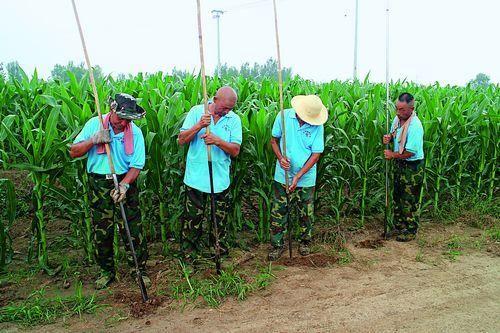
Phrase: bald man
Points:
(225, 138)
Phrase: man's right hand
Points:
(205, 120)
(284, 163)
(387, 139)
(102, 136)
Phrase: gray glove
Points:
(102, 136)
(120, 194)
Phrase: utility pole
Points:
(216, 14)
(355, 69)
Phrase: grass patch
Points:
(38, 309)
(420, 256)
(215, 289)
(493, 233)
(345, 256)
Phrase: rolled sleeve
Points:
(236, 131)
(415, 140)
(88, 130)
(190, 120)
(318, 145)
(276, 131)
(139, 158)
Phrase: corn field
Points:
(40, 119)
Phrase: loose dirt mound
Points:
(371, 243)
(138, 308)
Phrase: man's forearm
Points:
(276, 148)
(233, 149)
(188, 135)
(131, 176)
(311, 161)
(81, 148)
(405, 155)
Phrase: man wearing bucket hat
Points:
(304, 145)
(128, 153)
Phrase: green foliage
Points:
(14, 71)
(38, 309)
(60, 72)
(7, 216)
(257, 71)
(40, 119)
(215, 289)
(481, 81)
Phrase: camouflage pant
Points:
(408, 179)
(104, 211)
(192, 224)
(303, 198)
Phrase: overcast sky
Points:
(449, 41)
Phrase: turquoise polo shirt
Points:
(228, 128)
(301, 143)
(98, 163)
(414, 140)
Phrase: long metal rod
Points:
(209, 147)
(387, 97)
(355, 66)
(283, 129)
(140, 281)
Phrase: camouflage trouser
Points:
(303, 199)
(408, 179)
(192, 222)
(104, 211)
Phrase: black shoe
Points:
(304, 249)
(406, 237)
(393, 233)
(275, 253)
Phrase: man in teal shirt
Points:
(225, 137)
(128, 154)
(304, 145)
(407, 134)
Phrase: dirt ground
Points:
(390, 287)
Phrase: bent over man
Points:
(304, 145)
(128, 153)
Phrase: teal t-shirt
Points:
(414, 140)
(98, 163)
(301, 143)
(228, 128)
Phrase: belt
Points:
(108, 176)
(409, 163)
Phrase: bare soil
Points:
(388, 287)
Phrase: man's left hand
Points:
(211, 139)
(120, 194)
(388, 154)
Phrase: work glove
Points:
(119, 194)
(102, 136)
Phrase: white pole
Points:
(216, 15)
(386, 114)
(355, 69)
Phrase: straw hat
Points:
(310, 109)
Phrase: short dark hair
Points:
(406, 98)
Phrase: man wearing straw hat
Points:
(407, 135)
(304, 145)
(225, 137)
(128, 152)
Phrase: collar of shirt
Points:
(293, 115)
